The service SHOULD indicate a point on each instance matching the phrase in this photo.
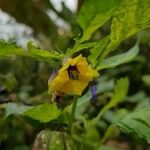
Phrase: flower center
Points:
(73, 73)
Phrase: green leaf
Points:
(120, 92)
(7, 50)
(104, 147)
(131, 17)
(9, 81)
(13, 108)
(11, 50)
(78, 47)
(92, 135)
(97, 49)
(94, 14)
(110, 132)
(137, 123)
(82, 104)
(146, 79)
(40, 54)
(43, 113)
(118, 59)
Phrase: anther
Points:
(73, 72)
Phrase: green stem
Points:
(72, 115)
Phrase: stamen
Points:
(73, 72)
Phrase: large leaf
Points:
(137, 123)
(7, 50)
(94, 14)
(118, 59)
(43, 113)
(131, 17)
(13, 108)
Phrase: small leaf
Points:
(92, 135)
(94, 14)
(82, 104)
(97, 49)
(43, 113)
(78, 47)
(137, 122)
(110, 132)
(40, 54)
(118, 59)
(119, 93)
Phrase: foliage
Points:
(119, 59)
(39, 112)
(36, 53)
(113, 36)
(96, 16)
(137, 122)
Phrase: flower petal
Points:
(87, 72)
(62, 78)
(74, 87)
(79, 86)
(67, 88)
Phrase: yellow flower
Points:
(73, 77)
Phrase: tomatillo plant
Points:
(72, 78)
(77, 111)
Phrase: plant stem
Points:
(72, 115)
